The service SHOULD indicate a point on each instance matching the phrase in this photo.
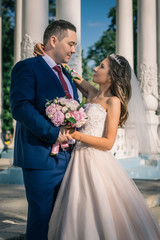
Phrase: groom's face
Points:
(63, 49)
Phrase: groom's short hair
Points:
(59, 29)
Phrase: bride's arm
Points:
(103, 143)
(84, 86)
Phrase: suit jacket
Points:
(32, 83)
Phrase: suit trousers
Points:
(41, 190)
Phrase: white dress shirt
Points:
(52, 64)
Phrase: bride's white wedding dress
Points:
(97, 199)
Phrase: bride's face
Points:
(101, 75)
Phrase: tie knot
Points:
(57, 68)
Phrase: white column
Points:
(158, 61)
(34, 22)
(124, 32)
(71, 11)
(17, 46)
(1, 143)
(147, 61)
(124, 47)
(18, 31)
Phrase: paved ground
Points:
(13, 206)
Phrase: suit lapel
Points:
(49, 70)
(55, 79)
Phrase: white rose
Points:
(50, 116)
(64, 109)
(67, 115)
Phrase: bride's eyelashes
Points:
(101, 66)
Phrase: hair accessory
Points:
(113, 56)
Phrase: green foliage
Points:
(8, 11)
(103, 47)
(107, 43)
(7, 60)
(52, 10)
(135, 33)
(87, 73)
(112, 15)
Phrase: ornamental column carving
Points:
(34, 22)
(147, 63)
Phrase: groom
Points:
(33, 81)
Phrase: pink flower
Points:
(77, 115)
(58, 118)
(50, 110)
(63, 111)
(58, 107)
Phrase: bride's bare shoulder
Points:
(113, 103)
(113, 100)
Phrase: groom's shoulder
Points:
(26, 63)
(30, 60)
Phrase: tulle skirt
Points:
(98, 201)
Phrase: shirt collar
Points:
(50, 61)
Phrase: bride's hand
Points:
(39, 50)
(71, 131)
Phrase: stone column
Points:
(1, 107)
(34, 22)
(71, 11)
(124, 47)
(18, 31)
(158, 61)
(147, 62)
(17, 46)
(124, 26)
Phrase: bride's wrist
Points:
(77, 136)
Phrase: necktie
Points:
(64, 85)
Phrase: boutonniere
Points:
(72, 73)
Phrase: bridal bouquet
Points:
(65, 112)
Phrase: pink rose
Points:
(58, 118)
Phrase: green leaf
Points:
(72, 120)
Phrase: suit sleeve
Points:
(22, 101)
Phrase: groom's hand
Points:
(63, 136)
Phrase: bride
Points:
(97, 199)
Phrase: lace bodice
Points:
(95, 125)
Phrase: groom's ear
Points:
(53, 40)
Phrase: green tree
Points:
(52, 10)
(8, 13)
(135, 33)
(8, 7)
(106, 44)
(87, 74)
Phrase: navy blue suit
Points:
(32, 82)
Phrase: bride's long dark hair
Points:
(120, 73)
